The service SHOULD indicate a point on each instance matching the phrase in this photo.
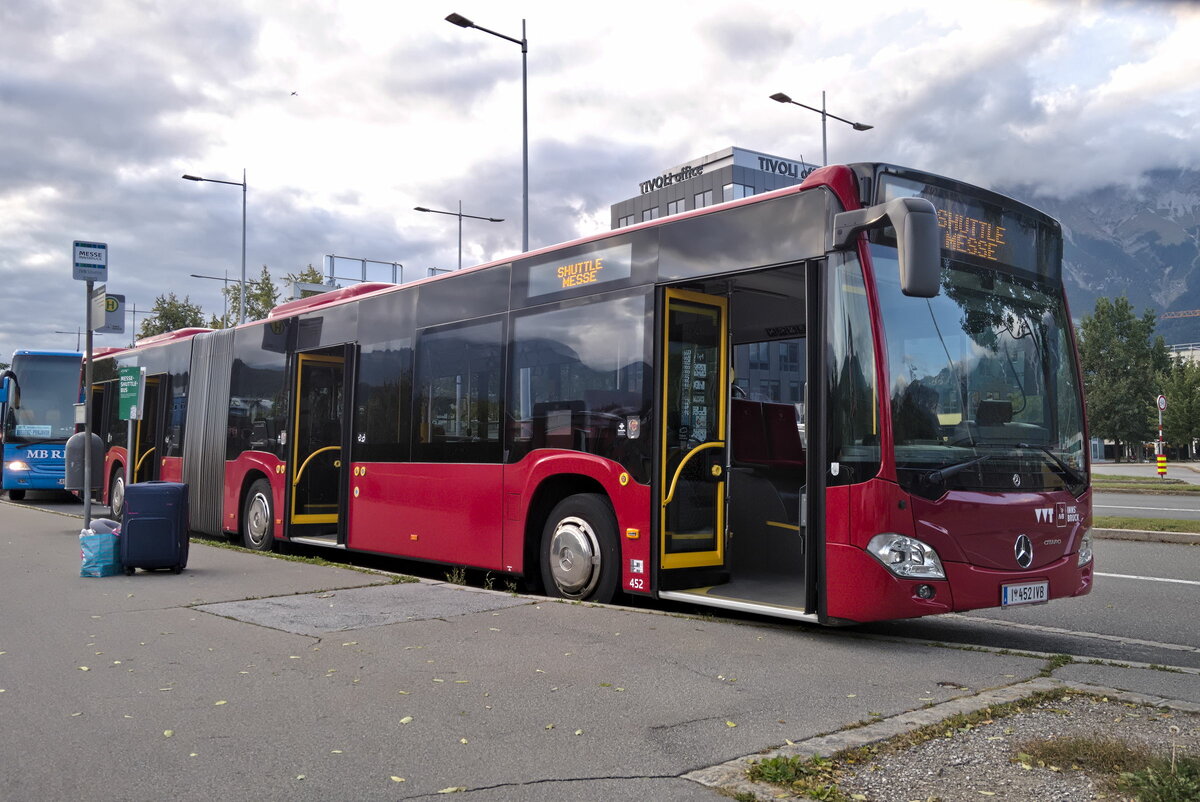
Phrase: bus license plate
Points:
(1025, 593)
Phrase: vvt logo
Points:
(1044, 515)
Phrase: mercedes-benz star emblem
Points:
(1023, 550)
(1016, 480)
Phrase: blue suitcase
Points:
(154, 528)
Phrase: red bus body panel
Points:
(170, 469)
(630, 500)
(113, 456)
(974, 535)
(272, 468)
(442, 512)
(477, 515)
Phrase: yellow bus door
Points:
(316, 459)
(695, 386)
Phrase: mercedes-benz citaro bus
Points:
(849, 400)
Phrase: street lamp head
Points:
(495, 219)
(862, 127)
(460, 21)
(421, 209)
(780, 97)
(193, 178)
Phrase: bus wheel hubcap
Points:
(575, 557)
(257, 519)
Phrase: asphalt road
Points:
(254, 678)
(1141, 609)
(1144, 505)
(1130, 615)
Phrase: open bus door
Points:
(146, 450)
(315, 474)
(736, 526)
(695, 388)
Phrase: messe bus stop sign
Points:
(130, 387)
(90, 261)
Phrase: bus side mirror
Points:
(9, 388)
(918, 240)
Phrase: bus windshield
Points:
(49, 389)
(982, 382)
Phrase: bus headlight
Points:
(906, 557)
(1085, 548)
(17, 465)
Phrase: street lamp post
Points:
(459, 214)
(242, 184)
(780, 97)
(224, 292)
(463, 22)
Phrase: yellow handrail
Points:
(304, 465)
(684, 461)
(142, 459)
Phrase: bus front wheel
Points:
(580, 553)
(258, 517)
(16, 495)
(116, 493)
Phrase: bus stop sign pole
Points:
(90, 264)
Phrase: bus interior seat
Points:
(765, 434)
(784, 435)
(749, 437)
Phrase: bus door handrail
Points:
(142, 459)
(684, 461)
(303, 465)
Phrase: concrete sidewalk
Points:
(249, 677)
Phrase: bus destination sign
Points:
(966, 234)
(971, 227)
(594, 267)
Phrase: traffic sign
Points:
(90, 260)
(1162, 403)
(130, 388)
(114, 315)
(96, 308)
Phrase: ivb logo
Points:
(1044, 514)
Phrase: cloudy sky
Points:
(345, 115)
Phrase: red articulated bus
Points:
(850, 400)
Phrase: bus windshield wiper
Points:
(942, 474)
(1072, 475)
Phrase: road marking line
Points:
(1176, 647)
(1129, 507)
(1150, 578)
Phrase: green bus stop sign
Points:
(130, 387)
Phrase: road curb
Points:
(730, 777)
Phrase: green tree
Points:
(1121, 357)
(170, 314)
(261, 297)
(309, 275)
(1181, 421)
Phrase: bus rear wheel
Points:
(258, 517)
(16, 495)
(580, 553)
(116, 493)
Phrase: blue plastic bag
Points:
(99, 549)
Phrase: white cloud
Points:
(103, 105)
